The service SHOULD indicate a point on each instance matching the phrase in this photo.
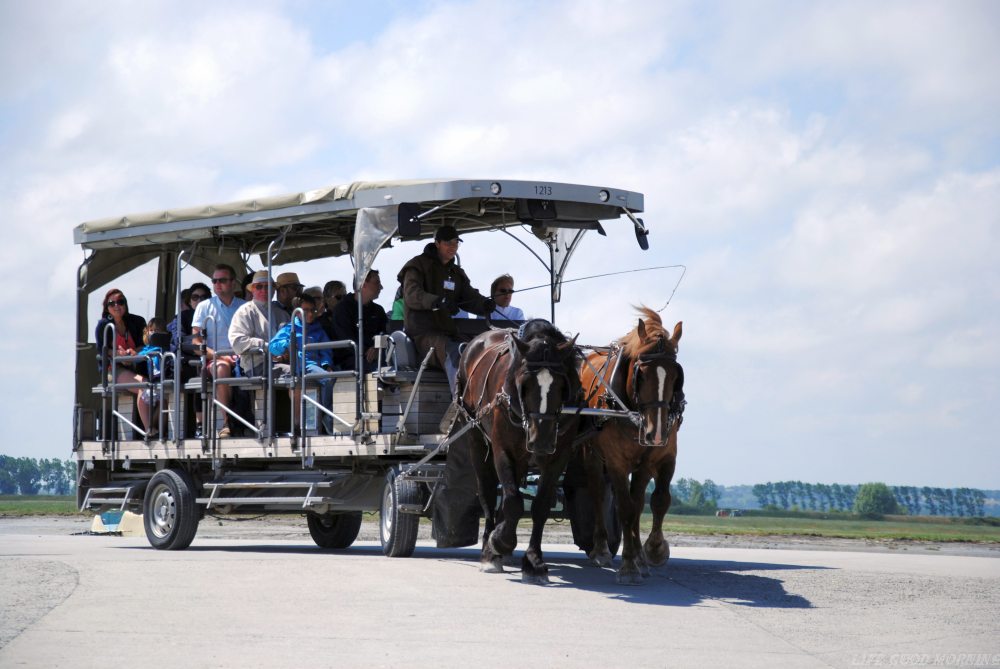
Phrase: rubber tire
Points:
(581, 518)
(612, 521)
(169, 512)
(334, 530)
(397, 530)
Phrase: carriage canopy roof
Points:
(356, 218)
(329, 215)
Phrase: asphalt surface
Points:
(256, 601)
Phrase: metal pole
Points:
(359, 357)
(178, 360)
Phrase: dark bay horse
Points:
(515, 385)
(643, 372)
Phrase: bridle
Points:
(555, 367)
(675, 406)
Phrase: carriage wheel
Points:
(612, 521)
(169, 513)
(581, 518)
(334, 530)
(396, 529)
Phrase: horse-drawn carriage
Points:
(387, 450)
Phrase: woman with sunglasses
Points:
(180, 326)
(501, 290)
(124, 339)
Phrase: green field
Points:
(849, 527)
(893, 527)
(38, 505)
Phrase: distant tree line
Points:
(29, 476)
(940, 501)
(690, 492)
(805, 496)
(841, 497)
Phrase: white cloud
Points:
(824, 170)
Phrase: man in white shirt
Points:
(249, 332)
(501, 290)
(210, 326)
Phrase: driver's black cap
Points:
(446, 233)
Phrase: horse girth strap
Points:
(493, 353)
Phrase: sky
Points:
(827, 172)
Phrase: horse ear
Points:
(521, 346)
(641, 329)
(678, 331)
(562, 348)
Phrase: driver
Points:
(435, 288)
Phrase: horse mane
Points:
(632, 344)
(538, 328)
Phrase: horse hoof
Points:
(534, 579)
(600, 559)
(629, 578)
(494, 566)
(657, 556)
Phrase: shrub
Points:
(875, 500)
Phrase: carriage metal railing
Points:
(301, 378)
(111, 387)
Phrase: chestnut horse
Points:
(514, 387)
(644, 375)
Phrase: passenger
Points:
(128, 330)
(210, 326)
(333, 293)
(249, 332)
(244, 292)
(397, 305)
(501, 291)
(180, 326)
(435, 288)
(287, 287)
(150, 348)
(373, 317)
(316, 293)
(315, 361)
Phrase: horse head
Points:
(655, 382)
(544, 378)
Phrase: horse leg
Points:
(533, 567)
(503, 539)
(486, 479)
(656, 548)
(628, 572)
(600, 553)
(640, 480)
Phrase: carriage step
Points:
(266, 500)
(417, 509)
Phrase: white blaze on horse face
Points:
(545, 380)
(661, 377)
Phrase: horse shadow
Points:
(681, 582)
(685, 582)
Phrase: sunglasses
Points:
(221, 280)
(197, 297)
(505, 291)
(117, 303)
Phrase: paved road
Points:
(90, 601)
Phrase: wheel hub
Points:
(164, 512)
